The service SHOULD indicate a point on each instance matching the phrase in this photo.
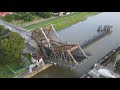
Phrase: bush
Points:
(44, 14)
(28, 56)
(12, 44)
(33, 13)
(27, 17)
(17, 16)
(1, 27)
(8, 17)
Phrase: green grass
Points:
(22, 23)
(28, 56)
(14, 64)
(63, 21)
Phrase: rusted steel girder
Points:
(54, 49)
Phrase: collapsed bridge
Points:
(51, 48)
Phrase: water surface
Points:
(77, 34)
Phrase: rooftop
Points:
(4, 13)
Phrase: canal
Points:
(79, 32)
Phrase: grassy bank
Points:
(23, 23)
(63, 21)
(10, 67)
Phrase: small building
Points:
(61, 13)
(67, 13)
(37, 60)
(36, 57)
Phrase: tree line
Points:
(26, 16)
(11, 43)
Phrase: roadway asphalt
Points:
(26, 35)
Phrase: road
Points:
(26, 35)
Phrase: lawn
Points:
(22, 23)
(10, 67)
(63, 21)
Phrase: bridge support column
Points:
(82, 51)
(71, 56)
(48, 41)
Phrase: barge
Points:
(106, 67)
(101, 32)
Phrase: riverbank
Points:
(60, 21)
(36, 70)
(16, 68)
(63, 21)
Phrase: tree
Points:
(44, 14)
(12, 45)
(27, 17)
(8, 17)
(17, 16)
(3, 31)
(1, 27)
(33, 13)
(21, 13)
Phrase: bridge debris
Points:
(51, 46)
